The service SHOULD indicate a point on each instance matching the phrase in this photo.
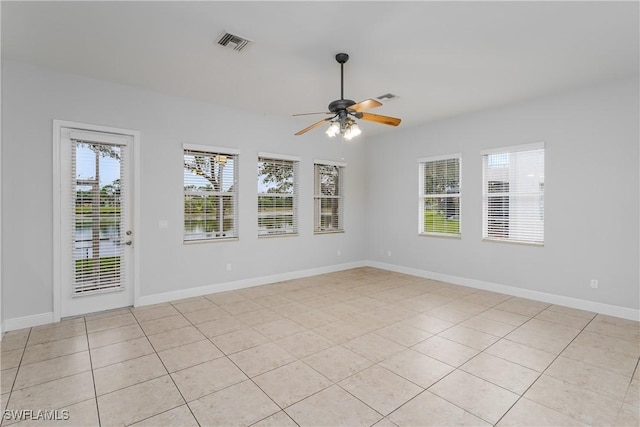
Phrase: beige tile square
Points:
(4, 398)
(262, 358)
(272, 300)
(449, 314)
(54, 394)
(79, 415)
(380, 388)
(311, 318)
(222, 298)
(180, 416)
(49, 350)
(488, 326)
(337, 363)
(279, 328)
(417, 367)
(427, 409)
(14, 340)
(572, 311)
(615, 327)
(11, 358)
(239, 405)
(206, 315)
(175, 338)
(589, 377)
(138, 402)
(221, 326)
(258, 317)
(613, 354)
(521, 354)
(305, 343)
(164, 324)
(522, 306)
(241, 307)
(466, 306)
(110, 322)
(403, 334)
(480, 397)
(291, 383)
(562, 319)
(469, 337)
(339, 331)
(509, 318)
(446, 351)
(119, 352)
(574, 401)
(373, 347)
(7, 378)
(193, 304)
(431, 324)
(543, 335)
(531, 414)
(239, 340)
(332, 407)
(629, 415)
(56, 332)
(124, 374)
(279, 419)
(52, 369)
(208, 377)
(153, 312)
(187, 355)
(116, 335)
(486, 298)
(509, 375)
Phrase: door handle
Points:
(128, 243)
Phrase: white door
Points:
(95, 222)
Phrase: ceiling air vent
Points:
(233, 41)
(387, 97)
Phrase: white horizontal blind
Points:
(277, 197)
(328, 198)
(439, 204)
(513, 195)
(210, 195)
(97, 214)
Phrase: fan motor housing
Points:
(340, 104)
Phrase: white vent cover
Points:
(233, 41)
(387, 97)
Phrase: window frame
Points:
(318, 197)
(422, 196)
(513, 193)
(294, 195)
(213, 152)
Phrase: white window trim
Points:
(422, 196)
(295, 194)
(339, 164)
(214, 150)
(514, 148)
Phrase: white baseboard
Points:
(597, 307)
(245, 283)
(27, 321)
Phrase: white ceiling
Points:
(441, 58)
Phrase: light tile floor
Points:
(358, 347)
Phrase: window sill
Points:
(329, 232)
(271, 236)
(442, 235)
(201, 241)
(513, 242)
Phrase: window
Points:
(513, 194)
(277, 195)
(328, 197)
(210, 193)
(439, 212)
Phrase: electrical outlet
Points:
(594, 283)
(228, 267)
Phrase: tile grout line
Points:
(93, 378)
(13, 383)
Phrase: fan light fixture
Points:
(348, 129)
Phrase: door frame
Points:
(58, 214)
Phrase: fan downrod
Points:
(342, 58)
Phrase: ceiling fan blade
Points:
(385, 120)
(313, 126)
(365, 105)
(308, 114)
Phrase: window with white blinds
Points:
(439, 198)
(328, 197)
(513, 194)
(277, 195)
(210, 194)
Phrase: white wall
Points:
(591, 196)
(32, 97)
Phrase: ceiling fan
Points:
(345, 111)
